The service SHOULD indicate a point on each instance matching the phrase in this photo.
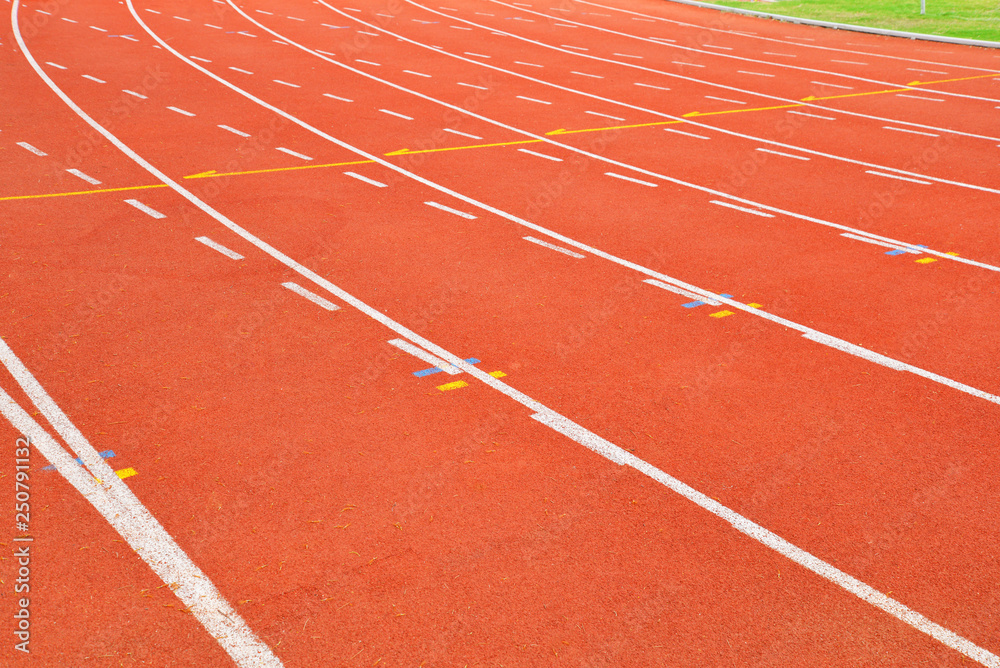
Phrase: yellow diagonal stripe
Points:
(82, 192)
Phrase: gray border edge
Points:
(842, 26)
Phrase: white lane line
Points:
(899, 178)
(68, 20)
(241, 71)
(763, 214)
(209, 25)
(916, 69)
(261, 11)
(181, 18)
(448, 9)
(783, 55)
(393, 113)
(180, 111)
(145, 209)
(686, 134)
(28, 147)
(231, 254)
(876, 242)
(367, 62)
(41, 11)
(96, 28)
(337, 97)
(484, 14)
(786, 155)
(285, 83)
(468, 85)
(540, 155)
(370, 34)
(80, 175)
(58, 67)
(233, 130)
(806, 39)
(637, 18)
(723, 99)
(294, 18)
(579, 48)
(756, 532)
(460, 28)
(291, 152)
(663, 39)
(373, 182)
(462, 134)
(519, 62)
(477, 55)
(584, 74)
(87, 76)
(920, 97)
(830, 85)
(419, 74)
(682, 292)
(629, 178)
(679, 62)
(806, 113)
(847, 62)
(352, 9)
(327, 53)
(531, 99)
(626, 55)
(520, 18)
(131, 39)
(311, 296)
(201, 60)
(463, 214)
(912, 132)
(247, 34)
(595, 113)
(715, 46)
(559, 249)
(644, 85)
(134, 94)
(425, 356)
(152, 11)
(756, 74)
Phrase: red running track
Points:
(218, 217)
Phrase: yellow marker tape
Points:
(126, 473)
(406, 151)
(754, 305)
(452, 386)
(925, 260)
(497, 374)
(952, 253)
(720, 314)
(211, 174)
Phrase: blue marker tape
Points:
(427, 372)
(107, 454)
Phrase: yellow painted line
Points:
(497, 374)
(82, 192)
(813, 98)
(564, 131)
(126, 473)
(213, 174)
(925, 260)
(926, 83)
(452, 386)
(754, 305)
(720, 314)
(406, 151)
(691, 114)
(952, 253)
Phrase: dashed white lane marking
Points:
(425, 356)
(680, 62)
(87, 76)
(96, 28)
(682, 292)
(261, 11)
(68, 20)
(805, 39)
(830, 85)
(80, 175)
(519, 62)
(181, 18)
(337, 97)
(595, 113)
(58, 67)
(477, 55)
(468, 85)
(393, 113)
(448, 9)
(629, 178)
(644, 85)
(201, 60)
(460, 28)
(483, 14)
(723, 99)
(663, 39)
(231, 254)
(145, 209)
(311, 296)
(876, 242)
(900, 178)
(291, 152)
(847, 62)
(233, 130)
(686, 134)
(180, 111)
(786, 155)
(916, 69)
(370, 34)
(294, 18)
(134, 94)
(716, 46)
(352, 9)
(129, 38)
(540, 155)
(756, 74)
(242, 71)
(462, 134)
(912, 132)
(805, 113)
(636, 18)
(209, 25)
(782, 55)
(559, 249)
(152, 11)
(367, 62)
(564, 25)
(626, 55)
(462, 214)
(920, 97)
(28, 147)
(419, 74)
(373, 182)
(325, 53)
(245, 33)
(42, 11)
(584, 74)
(763, 214)
(285, 83)
(531, 99)
(579, 48)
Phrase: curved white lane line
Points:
(703, 81)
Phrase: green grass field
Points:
(974, 19)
